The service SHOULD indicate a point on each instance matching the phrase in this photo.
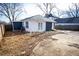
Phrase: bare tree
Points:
(73, 10)
(58, 12)
(11, 11)
(46, 7)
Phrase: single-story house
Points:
(67, 20)
(35, 23)
(67, 23)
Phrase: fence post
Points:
(1, 34)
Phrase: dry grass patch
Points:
(14, 43)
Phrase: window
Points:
(39, 26)
(27, 25)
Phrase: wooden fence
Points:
(2, 31)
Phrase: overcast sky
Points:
(30, 9)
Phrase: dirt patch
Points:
(74, 45)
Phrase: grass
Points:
(15, 43)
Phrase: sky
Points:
(30, 9)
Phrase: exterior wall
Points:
(17, 25)
(67, 26)
(33, 26)
(53, 26)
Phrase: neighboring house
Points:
(67, 23)
(36, 23)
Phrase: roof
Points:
(50, 15)
(38, 18)
(67, 20)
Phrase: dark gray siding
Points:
(68, 21)
(17, 25)
(67, 27)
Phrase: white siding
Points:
(53, 25)
(33, 26)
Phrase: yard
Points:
(46, 43)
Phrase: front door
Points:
(48, 26)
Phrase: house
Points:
(35, 23)
(67, 23)
(67, 20)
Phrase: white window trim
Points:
(27, 25)
(40, 26)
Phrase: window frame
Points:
(27, 25)
(40, 25)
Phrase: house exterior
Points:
(36, 23)
(67, 23)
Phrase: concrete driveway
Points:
(62, 44)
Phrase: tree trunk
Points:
(12, 26)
